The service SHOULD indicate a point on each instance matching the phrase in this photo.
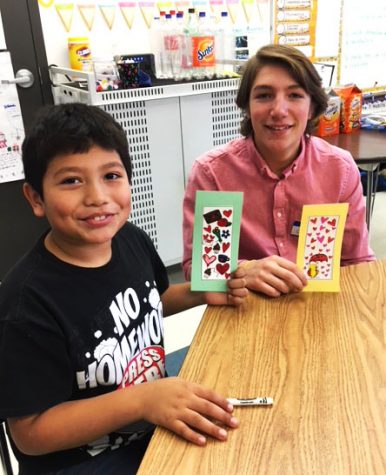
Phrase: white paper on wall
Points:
(2, 38)
(11, 125)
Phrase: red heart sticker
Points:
(225, 246)
(222, 268)
(227, 213)
(207, 249)
(332, 222)
(208, 229)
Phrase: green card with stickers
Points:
(216, 234)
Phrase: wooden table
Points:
(322, 357)
(368, 147)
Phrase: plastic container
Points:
(106, 74)
(170, 46)
(225, 46)
(190, 28)
(156, 45)
(80, 53)
(203, 53)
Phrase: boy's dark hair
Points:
(66, 129)
(299, 68)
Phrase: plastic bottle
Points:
(156, 45)
(169, 45)
(203, 49)
(189, 30)
(225, 46)
(179, 51)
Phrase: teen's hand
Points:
(237, 291)
(190, 410)
(273, 276)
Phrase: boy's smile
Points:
(87, 199)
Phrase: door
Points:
(24, 40)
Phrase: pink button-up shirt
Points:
(321, 173)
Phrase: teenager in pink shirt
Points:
(280, 167)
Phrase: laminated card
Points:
(320, 244)
(216, 235)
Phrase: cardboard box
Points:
(351, 108)
(329, 122)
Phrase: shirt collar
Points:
(265, 170)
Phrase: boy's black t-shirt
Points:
(70, 333)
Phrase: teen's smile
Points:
(279, 109)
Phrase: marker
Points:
(257, 401)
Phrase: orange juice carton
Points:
(329, 121)
(351, 108)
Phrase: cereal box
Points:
(329, 122)
(351, 108)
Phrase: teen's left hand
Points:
(236, 293)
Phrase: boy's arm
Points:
(179, 297)
(175, 404)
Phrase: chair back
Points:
(4, 452)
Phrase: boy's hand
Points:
(187, 409)
(273, 276)
(237, 291)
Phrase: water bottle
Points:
(203, 54)
(187, 48)
(224, 42)
(177, 52)
(169, 45)
(156, 45)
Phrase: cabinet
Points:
(167, 127)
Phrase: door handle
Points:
(23, 78)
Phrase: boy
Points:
(81, 335)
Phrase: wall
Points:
(121, 38)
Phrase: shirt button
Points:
(279, 214)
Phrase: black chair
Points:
(4, 452)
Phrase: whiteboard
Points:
(363, 54)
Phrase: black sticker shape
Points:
(212, 216)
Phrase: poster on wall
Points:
(294, 24)
(11, 124)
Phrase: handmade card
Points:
(319, 246)
(216, 235)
